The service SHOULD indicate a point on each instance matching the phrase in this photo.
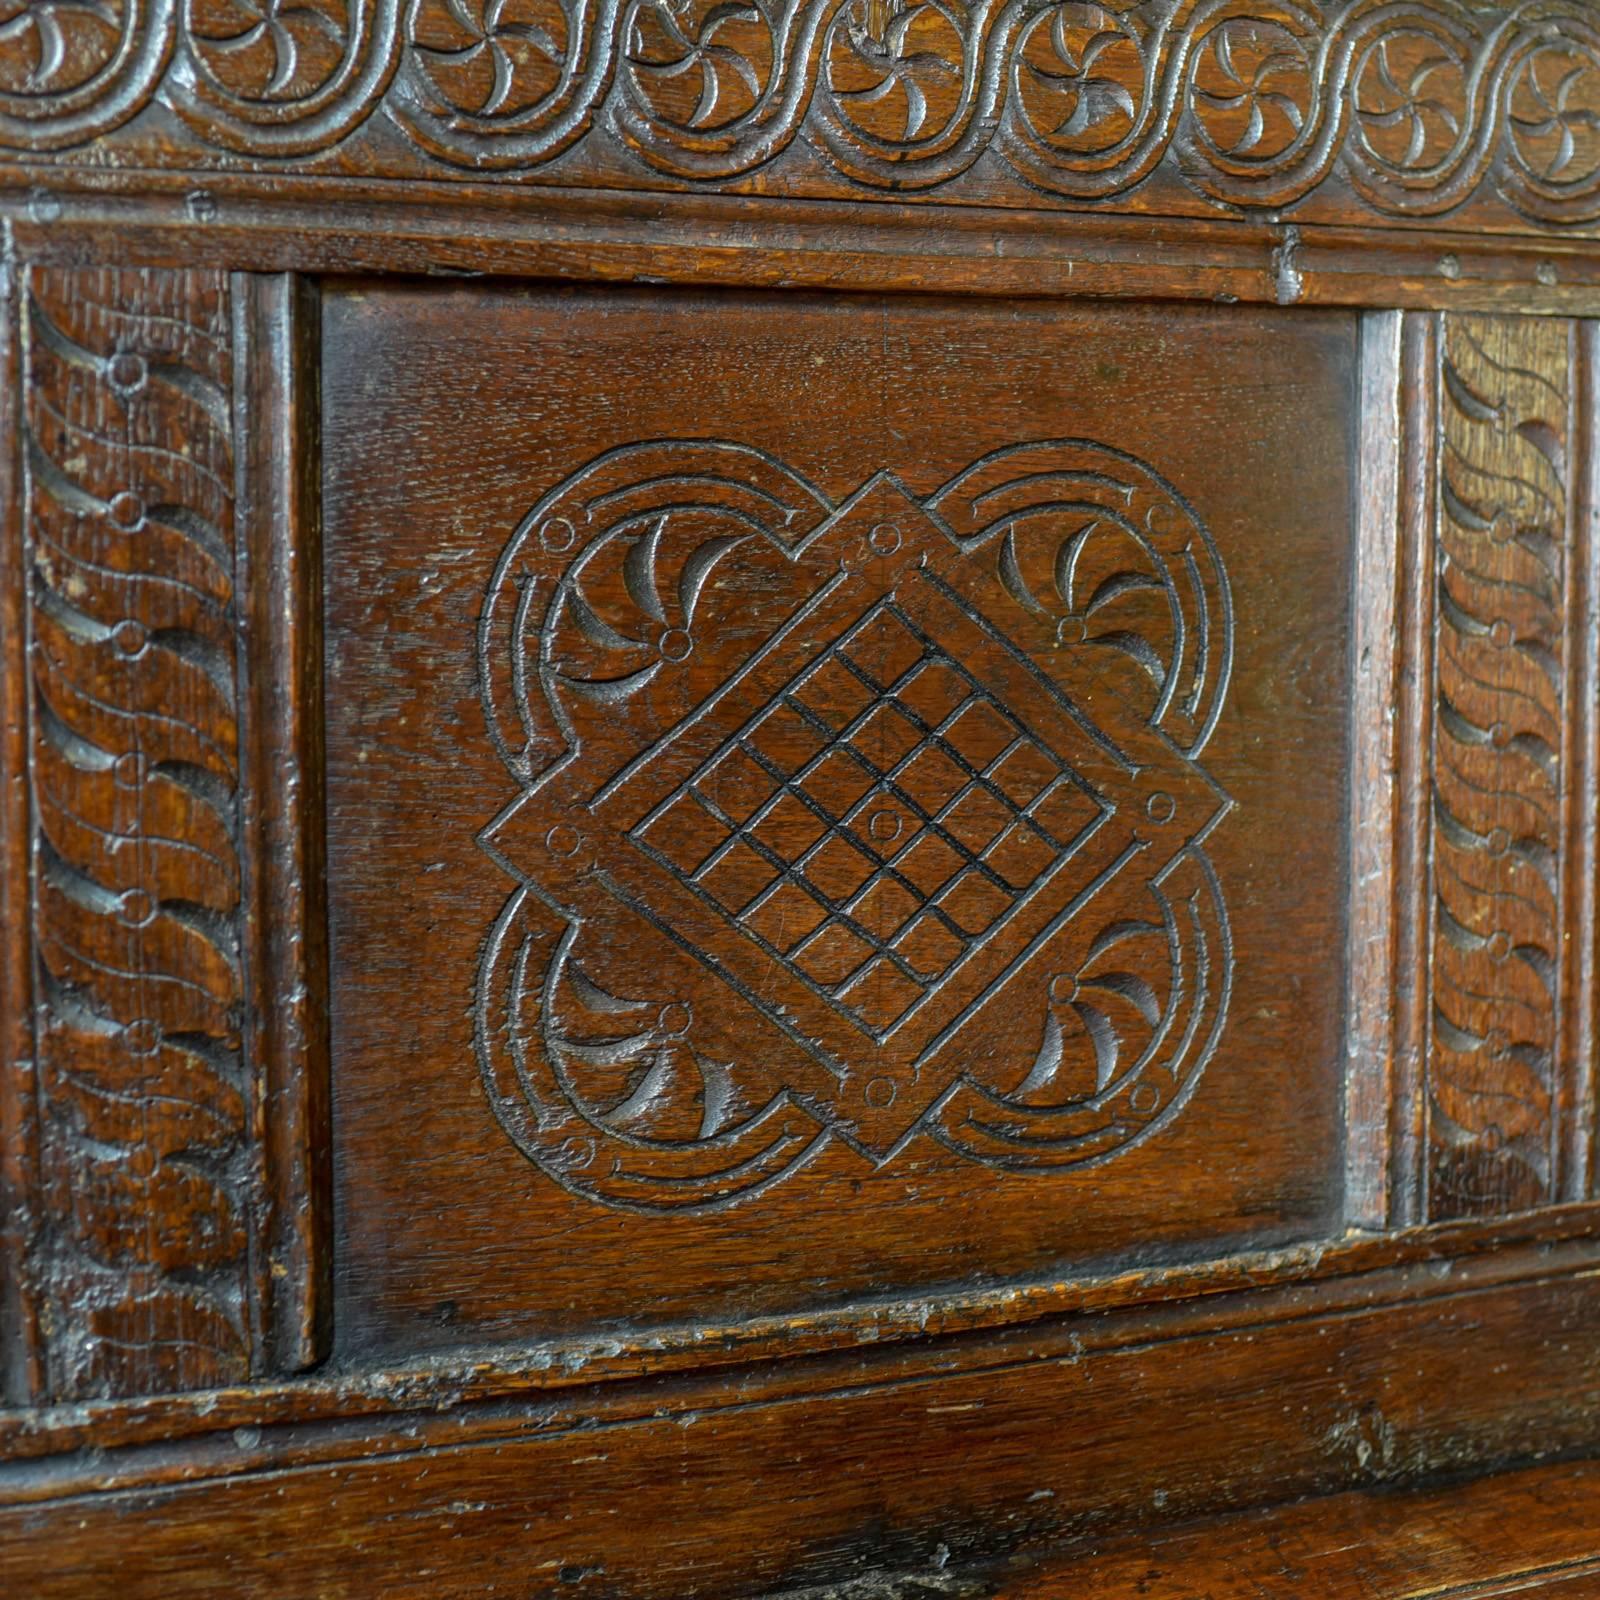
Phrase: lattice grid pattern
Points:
(874, 820)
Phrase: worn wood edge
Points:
(419, 1430)
(1523, 1531)
(950, 1332)
(1376, 656)
(1083, 1439)
(370, 227)
(280, 654)
(1580, 1025)
(22, 1372)
(1419, 447)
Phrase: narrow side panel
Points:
(21, 1374)
(1418, 499)
(1374, 792)
(153, 1260)
(1583, 794)
(1501, 1109)
(1471, 1079)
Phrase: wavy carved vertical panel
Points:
(141, 1258)
(1496, 1105)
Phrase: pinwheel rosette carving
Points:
(493, 84)
(1421, 85)
(906, 99)
(71, 70)
(1261, 122)
(712, 88)
(1552, 124)
(1087, 112)
(282, 77)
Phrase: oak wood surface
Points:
(707, 239)
(441, 1256)
(1345, 113)
(702, 1490)
(842, 391)
(1527, 1532)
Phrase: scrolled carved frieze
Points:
(1402, 109)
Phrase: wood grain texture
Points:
(21, 1374)
(613, 717)
(911, 1357)
(1519, 1533)
(1348, 112)
(148, 1249)
(718, 1488)
(1379, 924)
(284, 922)
(286, 222)
(944, 1332)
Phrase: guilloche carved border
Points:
(1393, 108)
(157, 1169)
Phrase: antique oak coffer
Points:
(799, 798)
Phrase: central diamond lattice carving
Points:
(850, 824)
(871, 822)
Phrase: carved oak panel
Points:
(856, 823)
(988, 923)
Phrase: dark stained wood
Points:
(713, 1489)
(744, 935)
(285, 940)
(931, 1331)
(149, 1203)
(347, 225)
(1525, 1533)
(1486, 865)
(1378, 660)
(140, 1254)
(1342, 113)
(1147, 450)
(21, 1374)
(1417, 512)
(1495, 1102)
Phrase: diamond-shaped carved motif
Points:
(866, 822)
(928, 803)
